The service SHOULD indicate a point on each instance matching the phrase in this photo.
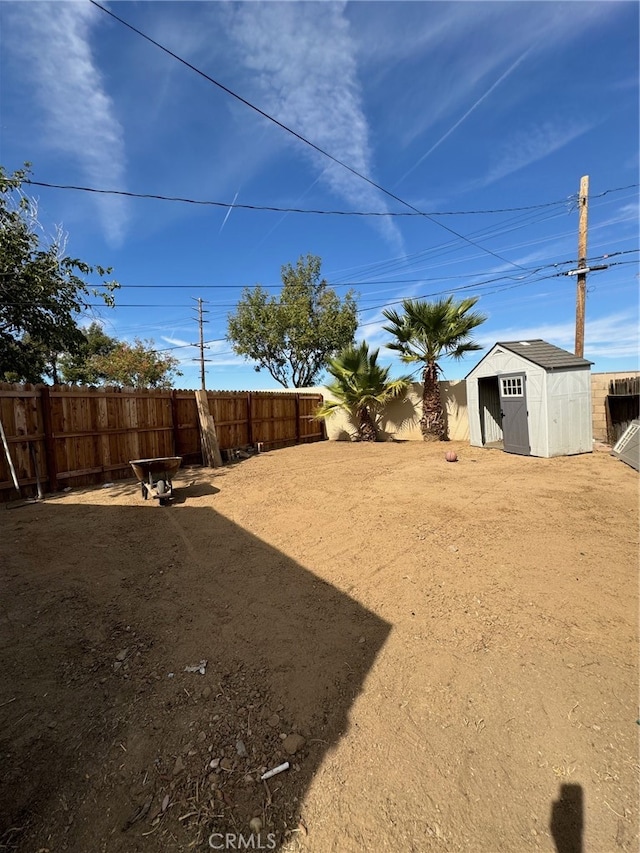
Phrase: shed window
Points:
(512, 387)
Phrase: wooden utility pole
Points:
(201, 325)
(581, 290)
(201, 321)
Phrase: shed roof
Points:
(545, 355)
(541, 353)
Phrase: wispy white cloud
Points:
(176, 342)
(371, 330)
(455, 36)
(531, 144)
(52, 44)
(626, 213)
(630, 82)
(217, 351)
(610, 336)
(302, 59)
(468, 112)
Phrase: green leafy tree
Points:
(362, 388)
(293, 336)
(43, 291)
(136, 365)
(38, 362)
(426, 333)
(79, 368)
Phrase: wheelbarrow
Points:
(155, 475)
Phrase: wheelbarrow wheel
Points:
(144, 491)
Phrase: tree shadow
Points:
(104, 735)
(393, 418)
(344, 435)
(567, 819)
(397, 416)
(192, 490)
(454, 401)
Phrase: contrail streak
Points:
(468, 113)
(282, 218)
(224, 221)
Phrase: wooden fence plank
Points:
(82, 436)
(49, 444)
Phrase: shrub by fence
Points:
(77, 436)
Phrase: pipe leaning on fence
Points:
(9, 459)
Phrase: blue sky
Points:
(451, 107)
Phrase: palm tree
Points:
(361, 387)
(426, 333)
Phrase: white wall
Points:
(569, 405)
(401, 418)
(537, 409)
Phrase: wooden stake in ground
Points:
(210, 450)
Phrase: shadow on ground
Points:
(567, 819)
(106, 739)
(192, 490)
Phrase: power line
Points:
(274, 209)
(363, 282)
(476, 286)
(445, 247)
(457, 290)
(398, 301)
(388, 264)
(409, 261)
(318, 211)
(298, 135)
(529, 272)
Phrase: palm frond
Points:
(360, 383)
(428, 331)
(328, 408)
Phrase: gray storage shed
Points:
(531, 398)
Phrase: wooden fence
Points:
(78, 436)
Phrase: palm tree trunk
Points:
(366, 427)
(432, 422)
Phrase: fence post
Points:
(249, 419)
(174, 421)
(297, 418)
(322, 422)
(49, 444)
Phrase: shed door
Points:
(515, 421)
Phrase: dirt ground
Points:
(445, 654)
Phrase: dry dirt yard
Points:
(450, 651)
